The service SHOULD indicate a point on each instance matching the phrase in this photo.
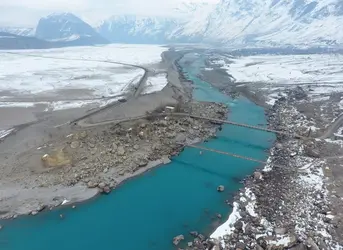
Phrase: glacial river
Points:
(146, 212)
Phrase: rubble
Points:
(287, 204)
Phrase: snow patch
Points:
(156, 83)
(227, 227)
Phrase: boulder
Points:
(292, 240)
(258, 247)
(114, 147)
(101, 185)
(238, 225)
(258, 176)
(107, 190)
(74, 144)
(91, 184)
(121, 151)
(177, 239)
(180, 138)
(194, 233)
(56, 159)
(240, 245)
(83, 134)
(142, 163)
(280, 230)
(311, 244)
(220, 188)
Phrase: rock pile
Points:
(101, 158)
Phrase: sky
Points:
(26, 13)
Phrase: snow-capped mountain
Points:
(273, 22)
(140, 29)
(229, 22)
(258, 22)
(144, 29)
(66, 27)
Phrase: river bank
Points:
(294, 201)
(288, 203)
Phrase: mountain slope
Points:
(253, 22)
(140, 29)
(278, 22)
(69, 28)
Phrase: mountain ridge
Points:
(263, 23)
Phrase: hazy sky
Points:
(27, 12)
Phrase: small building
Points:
(169, 109)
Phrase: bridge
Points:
(82, 123)
(224, 153)
(219, 121)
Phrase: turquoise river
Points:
(146, 212)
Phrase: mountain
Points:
(237, 22)
(68, 28)
(140, 29)
(158, 30)
(272, 22)
(262, 23)
(11, 41)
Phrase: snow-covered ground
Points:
(89, 72)
(322, 74)
(35, 75)
(288, 69)
(156, 83)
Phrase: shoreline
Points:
(281, 207)
(86, 194)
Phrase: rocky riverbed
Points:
(292, 203)
(101, 157)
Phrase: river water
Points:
(146, 212)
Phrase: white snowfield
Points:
(320, 74)
(94, 71)
(155, 83)
(288, 69)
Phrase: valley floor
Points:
(66, 138)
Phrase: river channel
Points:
(146, 212)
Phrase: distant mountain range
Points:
(230, 22)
